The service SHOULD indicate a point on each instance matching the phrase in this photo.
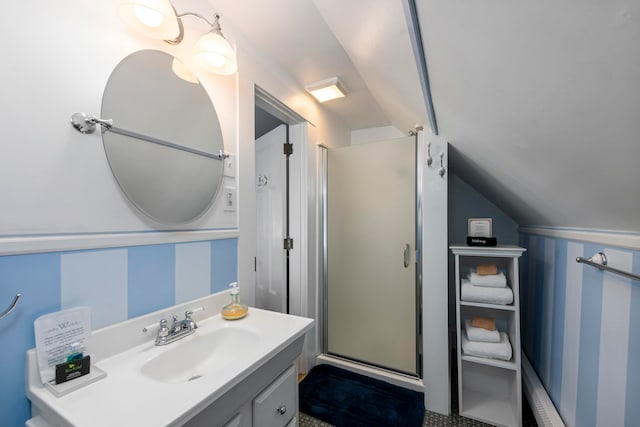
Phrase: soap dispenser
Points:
(234, 310)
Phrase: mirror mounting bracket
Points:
(84, 123)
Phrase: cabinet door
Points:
(278, 403)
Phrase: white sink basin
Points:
(148, 385)
(200, 354)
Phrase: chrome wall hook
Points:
(442, 170)
(11, 306)
(429, 158)
(263, 180)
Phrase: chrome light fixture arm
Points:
(215, 26)
(217, 56)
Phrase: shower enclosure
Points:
(370, 224)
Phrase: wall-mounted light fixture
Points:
(328, 89)
(158, 19)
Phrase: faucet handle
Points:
(189, 313)
(164, 330)
(187, 317)
(159, 323)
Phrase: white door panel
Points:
(270, 206)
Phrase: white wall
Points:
(257, 69)
(435, 216)
(58, 180)
(58, 61)
(362, 136)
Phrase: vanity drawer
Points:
(277, 405)
(241, 419)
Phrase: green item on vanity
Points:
(70, 370)
(76, 352)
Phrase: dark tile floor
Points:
(433, 419)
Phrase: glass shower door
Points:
(371, 270)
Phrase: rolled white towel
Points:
(491, 281)
(480, 334)
(500, 296)
(490, 350)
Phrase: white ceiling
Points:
(294, 33)
(541, 104)
(539, 100)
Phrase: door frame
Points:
(298, 204)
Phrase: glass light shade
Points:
(152, 18)
(181, 70)
(214, 54)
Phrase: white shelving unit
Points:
(490, 390)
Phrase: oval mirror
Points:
(165, 141)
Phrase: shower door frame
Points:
(323, 262)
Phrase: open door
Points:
(271, 206)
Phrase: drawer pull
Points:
(282, 410)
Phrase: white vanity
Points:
(227, 373)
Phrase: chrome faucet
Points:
(179, 329)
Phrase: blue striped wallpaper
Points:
(117, 284)
(581, 330)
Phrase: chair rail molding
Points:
(621, 239)
(17, 245)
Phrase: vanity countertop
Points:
(127, 396)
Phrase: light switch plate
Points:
(229, 199)
(230, 166)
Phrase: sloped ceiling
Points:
(294, 34)
(539, 100)
(375, 35)
(541, 104)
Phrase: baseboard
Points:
(541, 405)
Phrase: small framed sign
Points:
(480, 227)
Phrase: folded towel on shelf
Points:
(486, 269)
(493, 281)
(480, 334)
(501, 296)
(490, 350)
(484, 323)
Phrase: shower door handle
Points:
(406, 255)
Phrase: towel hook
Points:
(429, 158)
(11, 306)
(442, 170)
